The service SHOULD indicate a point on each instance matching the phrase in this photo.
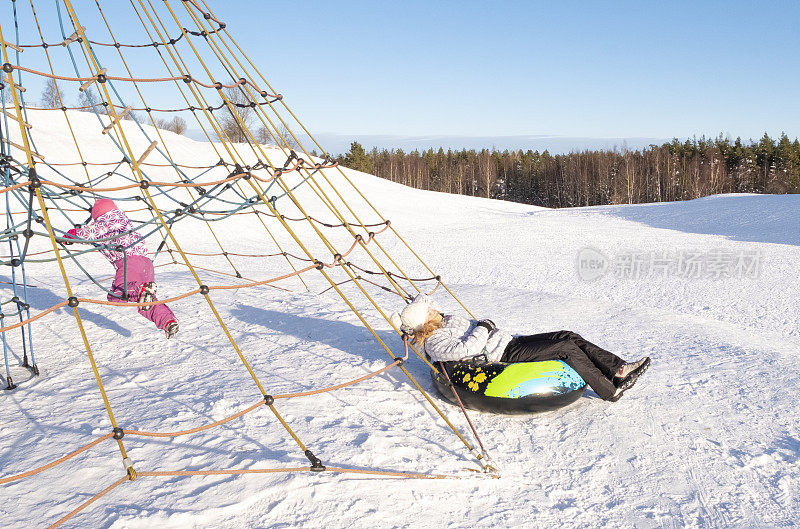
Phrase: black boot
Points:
(628, 382)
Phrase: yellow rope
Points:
(270, 128)
(51, 234)
(255, 145)
(177, 84)
(258, 151)
(140, 176)
(313, 139)
(189, 191)
(203, 107)
(314, 185)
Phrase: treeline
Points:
(672, 171)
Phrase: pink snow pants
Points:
(139, 272)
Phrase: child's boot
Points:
(147, 295)
(171, 329)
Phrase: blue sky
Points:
(468, 68)
(599, 69)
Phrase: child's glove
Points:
(71, 234)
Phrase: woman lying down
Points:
(448, 338)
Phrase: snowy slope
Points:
(709, 438)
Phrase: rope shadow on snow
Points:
(341, 335)
(41, 298)
(197, 442)
(306, 329)
(790, 445)
(355, 339)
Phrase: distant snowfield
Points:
(708, 438)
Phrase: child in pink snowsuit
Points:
(133, 264)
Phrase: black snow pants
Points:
(595, 365)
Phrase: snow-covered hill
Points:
(709, 437)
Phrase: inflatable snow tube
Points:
(498, 387)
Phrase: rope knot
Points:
(292, 156)
(316, 464)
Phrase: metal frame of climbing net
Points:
(243, 182)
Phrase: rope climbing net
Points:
(343, 245)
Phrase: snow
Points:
(708, 438)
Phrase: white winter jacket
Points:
(460, 338)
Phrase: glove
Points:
(71, 234)
(488, 325)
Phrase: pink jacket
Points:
(109, 224)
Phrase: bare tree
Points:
(179, 125)
(176, 125)
(284, 138)
(286, 134)
(264, 137)
(240, 106)
(91, 102)
(52, 96)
